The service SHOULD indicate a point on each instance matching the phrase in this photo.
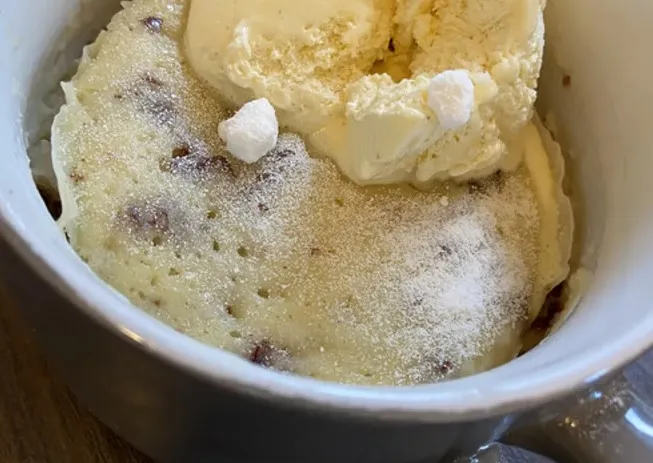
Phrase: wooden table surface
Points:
(40, 421)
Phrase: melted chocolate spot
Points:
(148, 217)
(152, 99)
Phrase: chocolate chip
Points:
(263, 207)
(230, 310)
(267, 355)
(316, 251)
(445, 367)
(181, 151)
(153, 24)
(391, 45)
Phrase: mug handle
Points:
(610, 423)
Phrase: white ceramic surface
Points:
(603, 117)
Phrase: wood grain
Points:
(40, 421)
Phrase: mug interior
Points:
(594, 88)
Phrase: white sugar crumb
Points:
(451, 97)
(283, 261)
(252, 132)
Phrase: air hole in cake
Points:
(216, 246)
(263, 293)
(173, 272)
(212, 214)
(339, 202)
(236, 311)
(235, 334)
(243, 251)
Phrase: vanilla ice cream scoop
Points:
(299, 57)
(392, 90)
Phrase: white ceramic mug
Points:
(596, 83)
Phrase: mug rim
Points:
(451, 401)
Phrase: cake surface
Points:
(284, 262)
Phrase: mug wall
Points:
(595, 85)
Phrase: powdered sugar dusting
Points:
(379, 285)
